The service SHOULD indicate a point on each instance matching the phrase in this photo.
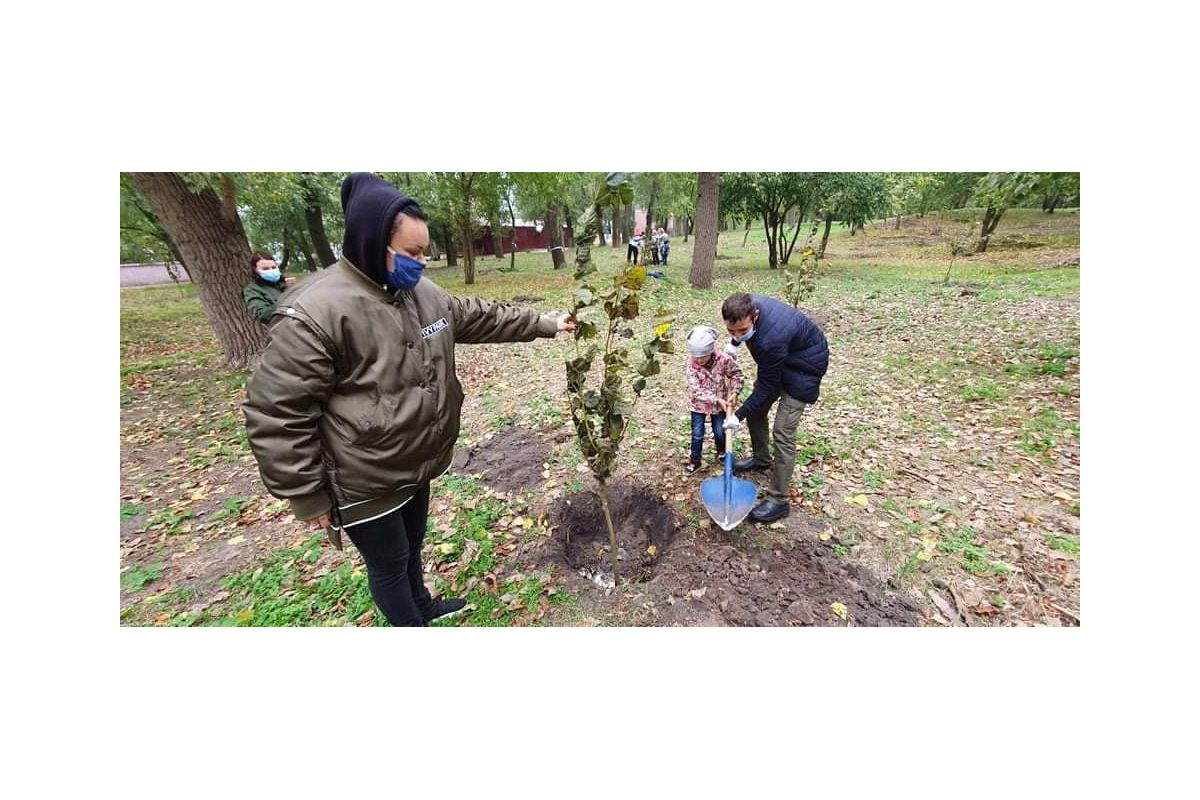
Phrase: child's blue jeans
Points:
(718, 428)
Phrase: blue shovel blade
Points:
(728, 499)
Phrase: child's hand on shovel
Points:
(732, 423)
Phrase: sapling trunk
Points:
(612, 531)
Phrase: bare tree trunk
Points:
(512, 215)
(616, 227)
(316, 224)
(747, 236)
(650, 207)
(213, 244)
(772, 223)
(825, 236)
(612, 531)
(554, 228)
(304, 248)
(795, 235)
(708, 193)
(468, 253)
(451, 248)
(600, 226)
(991, 218)
(497, 242)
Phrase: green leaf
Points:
(635, 278)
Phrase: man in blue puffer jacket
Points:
(792, 355)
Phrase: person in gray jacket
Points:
(355, 405)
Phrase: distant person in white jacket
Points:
(635, 247)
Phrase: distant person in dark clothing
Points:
(664, 245)
(792, 355)
(263, 291)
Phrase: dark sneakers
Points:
(445, 608)
(748, 464)
(769, 511)
(691, 468)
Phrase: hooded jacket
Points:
(355, 403)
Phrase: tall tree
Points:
(200, 215)
(541, 195)
(291, 211)
(996, 193)
(708, 194)
(679, 200)
(462, 199)
(851, 198)
(315, 220)
(770, 196)
(1058, 188)
(649, 185)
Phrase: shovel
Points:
(728, 499)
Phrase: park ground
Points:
(937, 480)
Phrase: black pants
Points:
(391, 546)
(631, 255)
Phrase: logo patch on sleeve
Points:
(430, 330)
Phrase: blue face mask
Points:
(270, 275)
(745, 337)
(406, 272)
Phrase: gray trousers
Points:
(787, 420)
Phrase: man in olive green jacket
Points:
(355, 405)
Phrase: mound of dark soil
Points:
(508, 462)
(711, 578)
(796, 584)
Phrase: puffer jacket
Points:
(356, 397)
(791, 354)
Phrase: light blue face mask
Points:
(270, 275)
(746, 336)
(406, 272)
